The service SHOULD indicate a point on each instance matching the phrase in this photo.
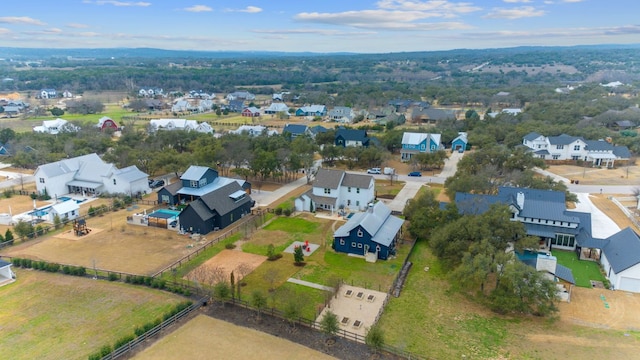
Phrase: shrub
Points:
(33, 196)
(230, 246)
(158, 283)
(129, 279)
(17, 262)
(92, 211)
(80, 271)
(27, 263)
(66, 270)
(278, 211)
(123, 341)
(53, 267)
(113, 276)
(105, 350)
(286, 212)
(8, 193)
(96, 356)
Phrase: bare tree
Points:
(271, 276)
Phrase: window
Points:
(73, 212)
(575, 158)
(576, 147)
(378, 248)
(357, 190)
(348, 202)
(231, 217)
(539, 146)
(358, 203)
(559, 147)
(360, 233)
(359, 246)
(563, 240)
(353, 244)
(202, 182)
(41, 180)
(327, 191)
(341, 241)
(555, 157)
(193, 183)
(114, 181)
(542, 156)
(349, 189)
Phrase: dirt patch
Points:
(601, 308)
(70, 234)
(607, 206)
(624, 175)
(221, 266)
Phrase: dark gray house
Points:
(216, 210)
(351, 137)
(373, 233)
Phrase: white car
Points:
(374, 171)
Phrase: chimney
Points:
(520, 200)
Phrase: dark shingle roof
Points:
(622, 250)
(173, 188)
(328, 179)
(4, 263)
(352, 134)
(621, 152)
(295, 129)
(598, 145)
(220, 201)
(563, 139)
(564, 273)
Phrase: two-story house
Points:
(372, 234)
(295, 130)
(419, 143)
(312, 110)
(276, 107)
(342, 114)
(337, 189)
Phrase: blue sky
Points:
(319, 26)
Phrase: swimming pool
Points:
(66, 198)
(40, 212)
(173, 213)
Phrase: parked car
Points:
(415, 173)
(156, 184)
(374, 171)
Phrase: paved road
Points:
(591, 189)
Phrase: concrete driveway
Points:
(601, 225)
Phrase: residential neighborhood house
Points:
(372, 234)
(460, 142)
(251, 111)
(342, 114)
(351, 137)
(105, 123)
(90, 176)
(179, 124)
(335, 190)
(312, 110)
(296, 130)
(55, 127)
(254, 130)
(565, 147)
(419, 143)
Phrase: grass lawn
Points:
(386, 188)
(583, 271)
(293, 225)
(52, 316)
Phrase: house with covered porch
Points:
(89, 175)
(335, 190)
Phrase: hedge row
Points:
(139, 331)
(49, 267)
(155, 283)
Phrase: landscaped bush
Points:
(230, 246)
(17, 262)
(113, 277)
(123, 341)
(53, 267)
(278, 211)
(158, 283)
(105, 350)
(286, 212)
(96, 356)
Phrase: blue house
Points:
(372, 234)
(419, 143)
(296, 130)
(312, 110)
(196, 182)
(460, 143)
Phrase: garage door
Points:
(629, 284)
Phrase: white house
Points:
(342, 114)
(6, 275)
(89, 175)
(241, 95)
(48, 94)
(56, 126)
(179, 124)
(254, 130)
(566, 147)
(337, 189)
(66, 211)
(275, 108)
(620, 260)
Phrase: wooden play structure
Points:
(80, 227)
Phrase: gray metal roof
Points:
(66, 206)
(621, 152)
(4, 263)
(194, 172)
(85, 184)
(210, 187)
(377, 222)
(542, 152)
(563, 139)
(67, 165)
(173, 188)
(622, 250)
(201, 209)
(564, 273)
(352, 134)
(295, 129)
(598, 145)
(131, 173)
(357, 180)
(328, 179)
(532, 136)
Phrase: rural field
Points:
(193, 340)
(431, 319)
(53, 316)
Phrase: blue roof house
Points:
(312, 110)
(460, 142)
(196, 182)
(419, 143)
(372, 234)
(296, 130)
(351, 137)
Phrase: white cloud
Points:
(516, 1)
(325, 32)
(117, 3)
(248, 9)
(514, 13)
(5, 31)
(77, 26)
(21, 20)
(198, 8)
(251, 9)
(380, 19)
(446, 8)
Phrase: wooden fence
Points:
(140, 340)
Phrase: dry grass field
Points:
(588, 307)
(224, 263)
(623, 175)
(54, 316)
(112, 244)
(208, 338)
(607, 206)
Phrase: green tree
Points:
(375, 338)
(329, 324)
(24, 229)
(221, 292)
(56, 111)
(8, 236)
(259, 301)
(298, 255)
(57, 222)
